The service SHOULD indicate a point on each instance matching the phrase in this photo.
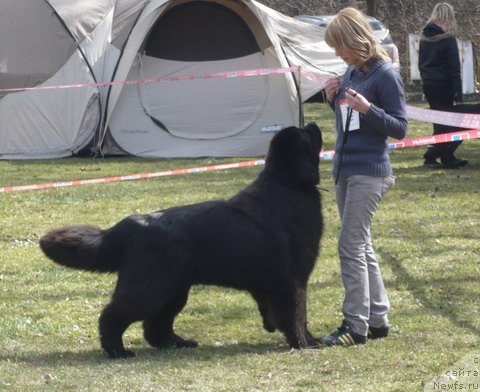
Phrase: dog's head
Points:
(294, 155)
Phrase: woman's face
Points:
(346, 56)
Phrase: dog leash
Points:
(344, 141)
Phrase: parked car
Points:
(379, 30)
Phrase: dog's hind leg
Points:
(264, 308)
(158, 329)
(112, 324)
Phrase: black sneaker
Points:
(430, 162)
(430, 157)
(344, 336)
(453, 163)
(377, 333)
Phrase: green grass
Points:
(426, 234)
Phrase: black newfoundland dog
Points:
(264, 240)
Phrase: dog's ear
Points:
(315, 136)
(307, 162)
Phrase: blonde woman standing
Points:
(373, 89)
(439, 65)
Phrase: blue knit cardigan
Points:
(366, 150)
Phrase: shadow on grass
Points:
(69, 358)
(428, 178)
(435, 304)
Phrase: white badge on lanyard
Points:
(354, 120)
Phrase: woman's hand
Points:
(332, 85)
(357, 101)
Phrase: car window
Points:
(322, 21)
(376, 26)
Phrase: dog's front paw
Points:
(171, 340)
(309, 342)
(268, 326)
(315, 343)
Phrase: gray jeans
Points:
(366, 302)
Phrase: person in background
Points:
(374, 91)
(439, 65)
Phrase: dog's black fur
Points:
(264, 240)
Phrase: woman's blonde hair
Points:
(349, 31)
(444, 15)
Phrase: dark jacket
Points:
(438, 59)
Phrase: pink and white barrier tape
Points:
(412, 142)
(130, 177)
(163, 79)
(460, 120)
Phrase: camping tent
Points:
(51, 43)
(71, 42)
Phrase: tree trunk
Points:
(372, 8)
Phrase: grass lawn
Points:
(426, 234)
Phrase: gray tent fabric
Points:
(125, 17)
(51, 44)
(40, 48)
(62, 42)
(304, 46)
(82, 17)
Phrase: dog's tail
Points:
(82, 247)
